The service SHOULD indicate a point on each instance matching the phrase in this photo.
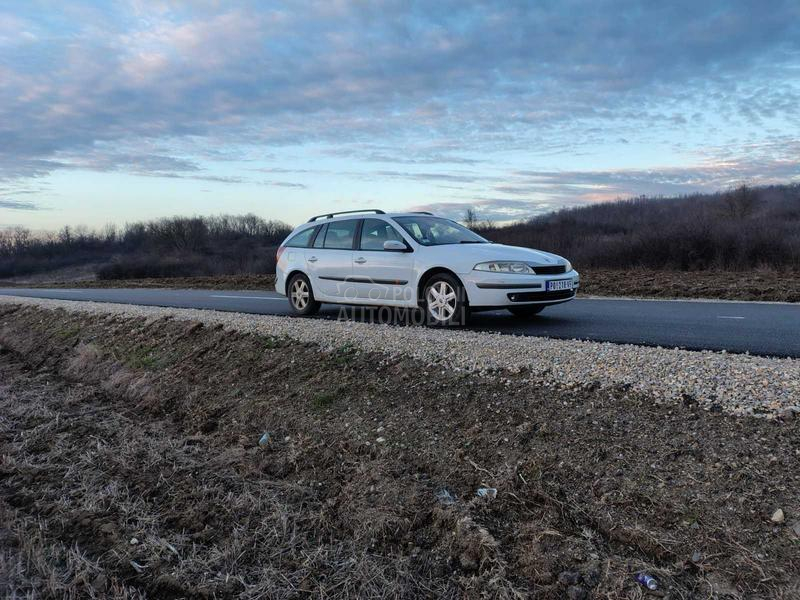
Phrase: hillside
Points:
(741, 229)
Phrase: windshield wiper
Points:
(472, 242)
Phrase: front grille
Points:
(550, 270)
(541, 296)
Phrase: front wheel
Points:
(531, 310)
(301, 296)
(445, 301)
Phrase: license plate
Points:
(558, 285)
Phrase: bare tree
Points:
(22, 238)
(470, 218)
(741, 202)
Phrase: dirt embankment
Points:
(768, 286)
(772, 286)
(132, 466)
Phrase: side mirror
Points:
(395, 246)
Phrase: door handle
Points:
(360, 260)
(312, 259)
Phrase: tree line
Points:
(740, 229)
(174, 246)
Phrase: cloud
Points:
(155, 88)
(528, 193)
(773, 161)
(13, 204)
(436, 177)
(497, 210)
(286, 184)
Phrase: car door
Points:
(379, 274)
(330, 259)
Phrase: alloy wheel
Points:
(441, 301)
(300, 294)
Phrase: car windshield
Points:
(435, 231)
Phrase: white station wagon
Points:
(415, 260)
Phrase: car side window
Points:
(374, 232)
(301, 239)
(320, 239)
(340, 235)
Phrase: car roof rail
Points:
(330, 215)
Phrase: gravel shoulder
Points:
(134, 463)
(735, 384)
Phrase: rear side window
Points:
(320, 239)
(301, 239)
(340, 235)
(374, 232)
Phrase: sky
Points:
(112, 112)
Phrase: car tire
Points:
(526, 312)
(301, 296)
(444, 301)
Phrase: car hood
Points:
(503, 252)
(467, 256)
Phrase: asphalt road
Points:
(771, 329)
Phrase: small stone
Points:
(264, 439)
(100, 583)
(777, 516)
(380, 440)
(576, 592)
(697, 556)
(569, 577)
(133, 541)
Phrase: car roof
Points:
(365, 215)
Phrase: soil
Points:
(764, 285)
(131, 467)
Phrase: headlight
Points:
(568, 267)
(505, 267)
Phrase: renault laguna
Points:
(415, 260)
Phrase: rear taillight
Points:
(278, 254)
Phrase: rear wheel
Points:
(531, 310)
(445, 301)
(301, 296)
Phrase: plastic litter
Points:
(264, 440)
(485, 492)
(649, 582)
(137, 567)
(444, 497)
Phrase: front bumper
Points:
(504, 289)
